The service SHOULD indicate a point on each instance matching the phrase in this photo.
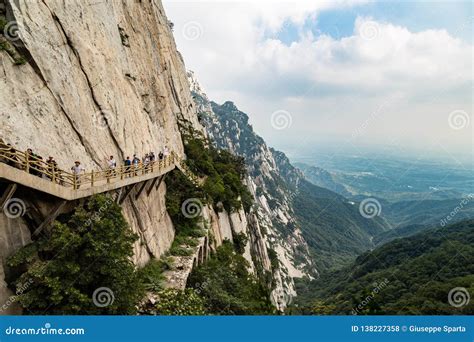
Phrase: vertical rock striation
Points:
(276, 243)
(101, 78)
(104, 78)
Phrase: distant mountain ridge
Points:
(323, 178)
(302, 241)
(413, 275)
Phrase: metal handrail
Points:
(36, 166)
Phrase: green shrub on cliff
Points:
(151, 275)
(227, 286)
(223, 171)
(82, 266)
(179, 303)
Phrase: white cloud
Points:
(331, 86)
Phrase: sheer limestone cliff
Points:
(100, 78)
(85, 94)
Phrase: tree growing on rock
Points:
(82, 266)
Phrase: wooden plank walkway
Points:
(68, 193)
(23, 168)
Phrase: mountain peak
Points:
(194, 84)
(229, 105)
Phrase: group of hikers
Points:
(37, 166)
(130, 166)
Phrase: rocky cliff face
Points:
(98, 79)
(276, 242)
(84, 81)
(101, 79)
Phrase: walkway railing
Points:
(30, 163)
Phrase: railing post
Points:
(27, 162)
(92, 178)
(53, 176)
(121, 172)
(74, 181)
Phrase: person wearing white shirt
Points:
(166, 152)
(112, 164)
(77, 169)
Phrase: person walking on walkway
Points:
(128, 164)
(8, 154)
(52, 168)
(34, 163)
(112, 164)
(146, 162)
(136, 163)
(14, 159)
(166, 152)
(77, 169)
(30, 158)
(152, 160)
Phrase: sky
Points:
(354, 75)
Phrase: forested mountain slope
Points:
(413, 275)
